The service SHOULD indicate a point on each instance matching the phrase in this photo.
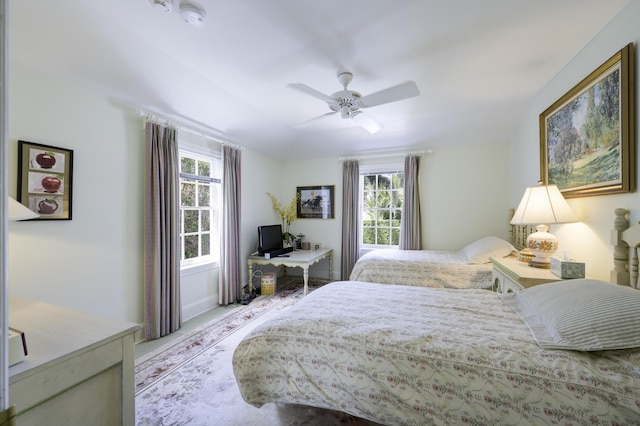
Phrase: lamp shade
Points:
(543, 204)
(18, 211)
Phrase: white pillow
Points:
(481, 250)
(581, 314)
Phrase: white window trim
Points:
(201, 263)
(380, 168)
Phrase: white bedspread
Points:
(402, 355)
(423, 268)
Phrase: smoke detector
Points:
(162, 5)
(192, 13)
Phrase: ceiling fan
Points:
(349, 103)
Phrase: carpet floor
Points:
(190, 381)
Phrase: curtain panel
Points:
(350, 211)
(161, 233)
(230, 262)
(411, 223)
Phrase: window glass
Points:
(382, 197)
(200, 195)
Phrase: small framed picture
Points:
(316, 202)
(45, 175)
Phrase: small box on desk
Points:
(17, 346)
(268, 283)
(567, 269)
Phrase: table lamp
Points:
(542, 205)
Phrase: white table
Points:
(296, 259)
(79, 370)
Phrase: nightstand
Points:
(510, 275)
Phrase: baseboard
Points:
(192, 310)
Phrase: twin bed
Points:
(408, 355)
(465, 268)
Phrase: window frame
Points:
(376, 170)
(212, 259)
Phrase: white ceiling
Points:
(477, 63)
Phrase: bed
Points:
(468, 267)
(465, 268)
(558, 353)
(412, 356)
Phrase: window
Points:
(382, 197)
(200, 195)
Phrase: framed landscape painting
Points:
(587, 137)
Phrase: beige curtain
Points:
(162, 233)
(350, 211)
(411, 223)
(230, 262)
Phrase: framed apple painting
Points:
(44, 180)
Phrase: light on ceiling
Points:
(162, 5)
(192, 13)
(542, 205)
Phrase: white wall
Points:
(95, 261)
(463, 192)
(587, 241)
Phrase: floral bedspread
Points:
(423, 268)
(401, 355)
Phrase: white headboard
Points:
(625, 239)
(518, 233)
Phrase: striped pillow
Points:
(582, 314)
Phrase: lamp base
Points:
(543, 245)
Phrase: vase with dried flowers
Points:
(287, 214)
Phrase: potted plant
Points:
(287, 214)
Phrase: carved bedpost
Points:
(512, 228)
(620, 272)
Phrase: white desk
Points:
(297, 259)
(79, 369)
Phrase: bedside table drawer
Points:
(510, 275)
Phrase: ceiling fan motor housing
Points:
(345, 101)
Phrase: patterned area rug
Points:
(190, 381)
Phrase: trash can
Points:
(268, 283)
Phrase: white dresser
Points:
(79, 370)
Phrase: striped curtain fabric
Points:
(230, 262)
(411, 223)
(350, 211)
(161, 233)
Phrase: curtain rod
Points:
(387, 155)
(158, 119)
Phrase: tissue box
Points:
(567, 268)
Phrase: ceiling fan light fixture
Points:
(192, 13)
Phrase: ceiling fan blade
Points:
(392, 94)
(366, 122)
(315, 119)
(309, 91)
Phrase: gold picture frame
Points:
(45, 175)
(587, 137)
